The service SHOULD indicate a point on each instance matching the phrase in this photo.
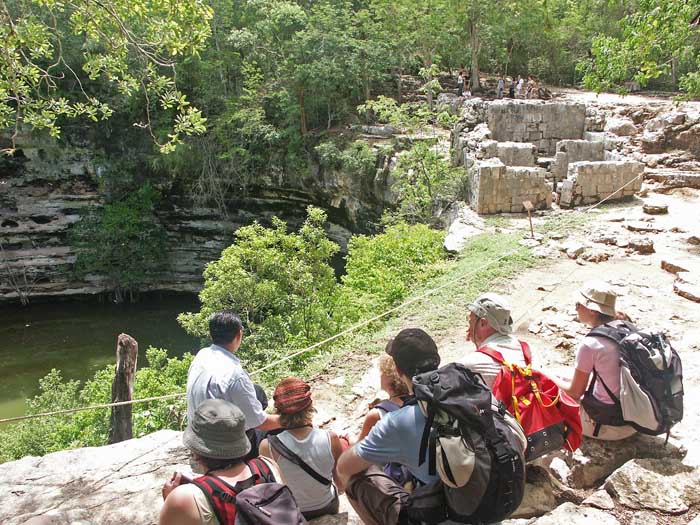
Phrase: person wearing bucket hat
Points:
(306, 455)
(376, 497)
(596, 305)
(490, 326)
(216, 439)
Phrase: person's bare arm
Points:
(271, 423)
(348, 465)
(575, 386)
(179, 509)
(264, 449)
(370, 420)
(336, 450)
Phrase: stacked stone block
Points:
(495, 188)
(590, 182)
(569, 151)
(541, 123)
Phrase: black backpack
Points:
(651, 381)
(475, 446)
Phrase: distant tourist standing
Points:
(501, 86)
(460, 83)
(216, 373)
(511, 88)
(519, 86)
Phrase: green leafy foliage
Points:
(280, 283)
(41, 436)
(123, 241)
(383, 269)
(130, 45)
(657, 40)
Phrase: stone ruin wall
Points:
(524, 151)
(540, 124)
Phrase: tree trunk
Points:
(302, 113)
(674, 73)
(120, 427)
(398, 86)
(475, 44)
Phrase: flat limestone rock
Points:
(688, 290)
(651, 208)
(600, 499)
(82, 485)
(595, 460)
(655, 484)
(570, 514)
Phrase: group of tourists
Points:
(517, 87)
(448, 443)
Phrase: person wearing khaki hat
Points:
(216, 438)
(490, 326)
(596, 305)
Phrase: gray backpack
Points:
(651, 382)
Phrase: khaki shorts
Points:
(606, 432)
(376, 497)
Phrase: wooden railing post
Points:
(120, 427)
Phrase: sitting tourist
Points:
(306, 455)
(217, 441)
(391, 383)
(600, 356)
(491, 327)
(376, 497)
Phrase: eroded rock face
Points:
(113, 484)
(570, 514)
(664, 485)
(596, 459)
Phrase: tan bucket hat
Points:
(598, 296)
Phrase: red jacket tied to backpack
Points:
(548, 415)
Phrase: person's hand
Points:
(175, 481)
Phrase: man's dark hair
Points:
(224, 327)
(218, 464)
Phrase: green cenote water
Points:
(79, 337)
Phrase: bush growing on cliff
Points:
(382, 270)
(123, 241)
(37, 437)
(281, 284)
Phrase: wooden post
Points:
(120, 427)
(529, 207)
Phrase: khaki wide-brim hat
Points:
(597, 296)
(217, 431)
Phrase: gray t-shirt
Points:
(215, 373)
(396, 438)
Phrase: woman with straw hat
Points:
(306, 455)
(598, 357)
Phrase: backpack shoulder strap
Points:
(614, 330)
(493, 354)
(285, 452)
(527, 355)
(387, 406)
(220, 495)
(259, 467)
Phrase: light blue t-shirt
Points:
(396, 438)
(215, 373)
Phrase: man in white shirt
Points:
(491, 326)
(216, 373)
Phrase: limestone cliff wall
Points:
(46, 187)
